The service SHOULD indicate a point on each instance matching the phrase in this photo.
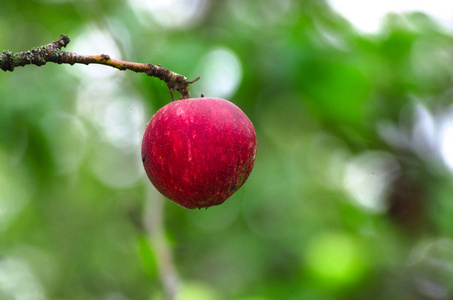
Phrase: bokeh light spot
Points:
(336, 258)
(116, 168)
(367, 177)
(124, 122)
(221, 72)
(18, 282)
(170, 13)
(446, 141)
(67, 137)
(367, 16)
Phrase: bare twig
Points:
(52, 53)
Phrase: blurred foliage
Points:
(351, 195)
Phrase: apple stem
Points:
(52, 53)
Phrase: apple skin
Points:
(198, 152)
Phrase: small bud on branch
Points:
(52, 53)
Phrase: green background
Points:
(351, 194)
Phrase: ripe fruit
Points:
(198, 152)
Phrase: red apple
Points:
(198, 152)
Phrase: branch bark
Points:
(52, 53)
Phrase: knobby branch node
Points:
(52, 53)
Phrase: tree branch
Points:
(52, 53)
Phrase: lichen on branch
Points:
(52, 53)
